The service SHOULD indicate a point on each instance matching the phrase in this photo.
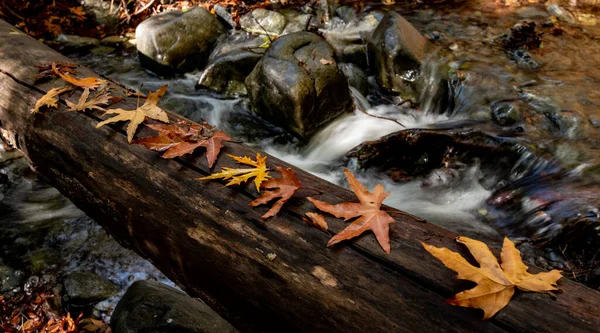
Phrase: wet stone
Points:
(85, 288)
(398, 50)
(506, 114)
(77, 41)
(313, 91)
(262, 21)
(178, 41)
(149, 306)
(9, 278)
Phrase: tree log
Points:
(204, 236)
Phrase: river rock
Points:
(264, 22)
(357, 78)
(295, 21)
(350, 40)
(398, 50)
(151, 307)
(86, 287)
(9, 278)
(178, 40)
(77, 41)
(103, 13)
(224, 15)
(297, 84)
(230, 64)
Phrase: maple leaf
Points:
(213, 146)
(45, 70)
(102, 98)
(136, 117)
(495, 284)
(49, 99)
(316, 220)
(238, 176)
(88, 82)
(371, 216)
(284, 188)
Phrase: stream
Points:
(550, 179)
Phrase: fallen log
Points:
(205, 237)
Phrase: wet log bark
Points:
(206, 238)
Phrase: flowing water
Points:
(41, 232)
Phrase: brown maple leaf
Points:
(136, 117)
(49, 99)
(316, 220)
(45, 70)
(495, 283)
(213, 146)
(282, 188)
(101, 98)
(371, 216)
(88, 82)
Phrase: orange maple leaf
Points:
(282, 188)
(49, 100)
(316, 220)
(495, 285)
(88, 82)
(371, 216)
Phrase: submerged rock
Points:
(297, 84)
(149, 306)
(398, 50)
(86, 287)
(77, 41)
(262, 21)
(230, 64)
(178, 40)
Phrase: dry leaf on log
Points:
(316, 220)
(136, 117)
(371, 217)
(238, 176)
(495, 283)
(88, 82)
(101, 98)
(282, 188)
(49, 99)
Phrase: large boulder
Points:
(397, 51)
(177, 40)
(297, 84)
(152, 307)
(230, 63)
(105, 13)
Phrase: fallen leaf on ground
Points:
(316, 220)
(88, 82)
(282, 188)
(495, 284)
(136, 117)
(49, 99)
(371, 216)
(213, 146)
(325, 61)
(102, 98)
(238, 176)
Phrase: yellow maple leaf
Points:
(136, 117)
(495, 283)
(101, 98)
(49, 99)
(238, 176)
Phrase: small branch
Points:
(381, 117)
(141, 10)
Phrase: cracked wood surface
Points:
(205, 237)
